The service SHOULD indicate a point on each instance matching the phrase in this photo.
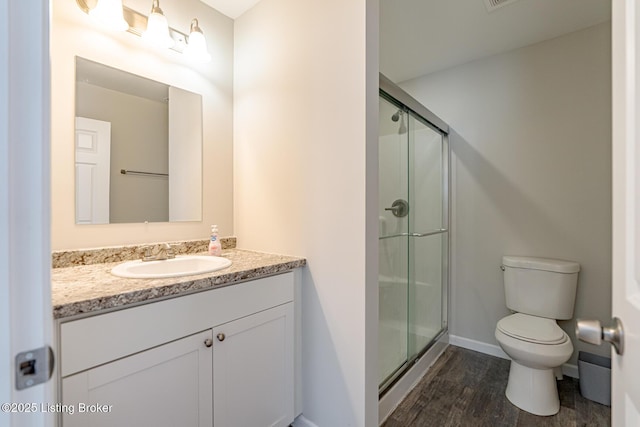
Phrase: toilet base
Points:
(533, 390)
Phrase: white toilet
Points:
(539, 290)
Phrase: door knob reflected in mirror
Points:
(591, 331)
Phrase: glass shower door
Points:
(428, 234)
(413, 238)
(393, 329)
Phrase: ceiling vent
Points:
(495, 4)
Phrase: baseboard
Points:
(570, 370)
(301, 421)
(481, 347)
(495, 350)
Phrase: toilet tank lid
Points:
(546, 264)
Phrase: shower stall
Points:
(413, 234)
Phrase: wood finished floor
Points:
(466, 388)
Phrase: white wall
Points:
(305, 179)
(531, 172)
(73, 33)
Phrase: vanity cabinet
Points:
(223, 357)
(253, 370)
(168, 385)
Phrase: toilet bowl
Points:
(537, 347)
(539, 291)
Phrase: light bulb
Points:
(109, 14)
(196, 49)
(157, 32)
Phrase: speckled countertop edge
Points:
(92, 288)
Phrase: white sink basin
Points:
(175, 267)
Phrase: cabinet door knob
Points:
(208, 342)
(220, 336)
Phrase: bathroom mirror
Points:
(138, 148)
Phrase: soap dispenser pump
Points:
(215, 248)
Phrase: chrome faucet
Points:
(163, 251)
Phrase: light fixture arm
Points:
(82, 4)
(155, 7)
(195, 27)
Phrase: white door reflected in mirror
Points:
(93, 152)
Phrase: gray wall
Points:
(139, 141)
(531, 172)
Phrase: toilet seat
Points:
(533, 329)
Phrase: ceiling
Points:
(418, 37)
(231, 8)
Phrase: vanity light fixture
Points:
(157, 32)
(196, 49)
(153, 28)
(109, 13)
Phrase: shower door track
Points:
(389, 89)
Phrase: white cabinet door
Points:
(253, 370)
(169, 385)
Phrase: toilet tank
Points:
(540, 286)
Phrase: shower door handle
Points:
(399, 208)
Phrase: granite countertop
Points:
(92, 288)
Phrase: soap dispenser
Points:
(215, 248)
